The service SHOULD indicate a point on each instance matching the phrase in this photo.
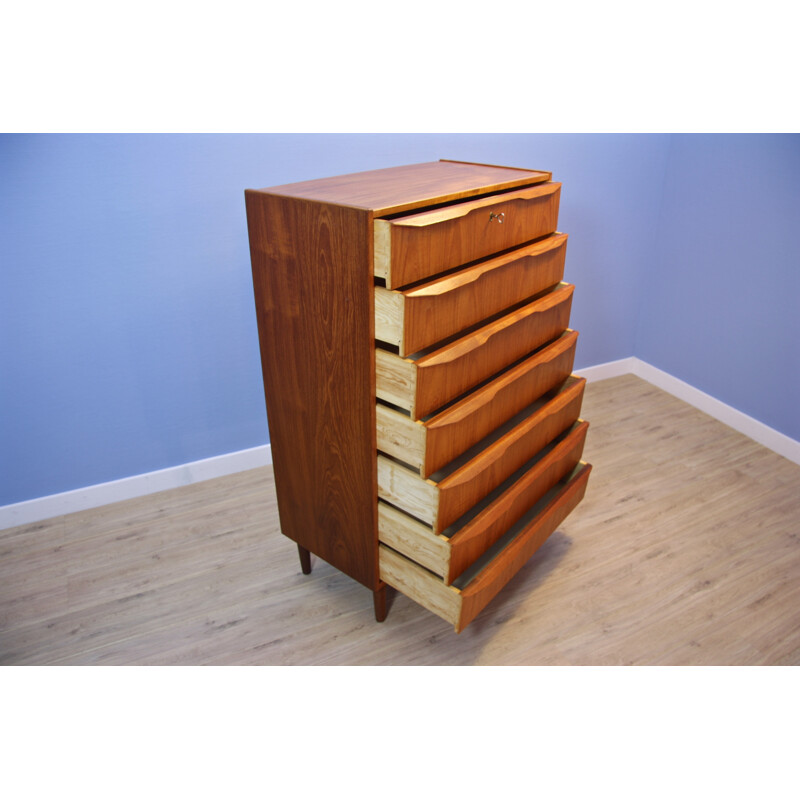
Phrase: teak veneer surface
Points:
(684, 551)
(397, 189)
(316, 329)
(312, 254)
(502, 569)
(451, 552)
(460, 602)
(415, 247)
(434, 311)
(436, 441)
(427, 381)
(489, 524)
(448, 494)
(469, 483)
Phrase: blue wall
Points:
(720, 305)
(128, 340)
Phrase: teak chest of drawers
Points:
(417, 356)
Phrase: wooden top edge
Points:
(393, 190)
(427, 216)
(499, 166)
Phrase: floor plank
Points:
(685, 550)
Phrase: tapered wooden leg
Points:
(305, 560)
(379, 598)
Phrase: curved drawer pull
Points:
(499, 217)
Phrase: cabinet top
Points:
(396, 189)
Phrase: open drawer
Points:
(453, 490)
(416, 318)
(460, 602)
(428, 380)
(430, 444)
(413, 247)
(449, 553)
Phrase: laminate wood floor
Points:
(685, 550)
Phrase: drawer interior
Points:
(448, 553)
(452, 490)
(431, 443)
(463, 600)
(494, 552)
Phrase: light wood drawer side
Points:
(450, 553)
(417, 246)
(429, 380)
(446, 495)
(431, 444)
(460, 602)
(419, 317)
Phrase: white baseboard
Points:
(777, 442)
(137, 485)
(611, 369)
(758, 431)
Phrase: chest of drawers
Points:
(417, 356)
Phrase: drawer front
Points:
(424, 383)
(460, 602)
(450, 553)
(448, 494)
(419, 317)
(488, 522)
(432, 444)
(414, 247)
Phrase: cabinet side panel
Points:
(313, 292)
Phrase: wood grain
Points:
(400, 436)
(405, 489)
(421, 586)
(475, 537)
(468, 484)
(434, 241)
(389, 317)
(417, 541)
(460, 606)
(315, 319)
(454, 430)
(450, 553)
(437, 310)
(431, 444)
(684, 551)
(381, 252)
(446, 495)
(461, 365)
(395, 379)
(397, 189)
(479, 164)
(489, 581)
